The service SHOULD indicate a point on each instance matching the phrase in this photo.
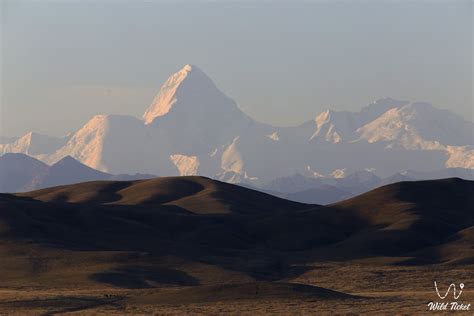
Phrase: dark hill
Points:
(121, 231)
(408, 216)
(195, 194)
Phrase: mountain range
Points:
(327, 190)
(192, 128)
(20, 172)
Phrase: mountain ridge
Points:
(192, 128)
(20, 172)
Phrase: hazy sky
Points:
(283, 62)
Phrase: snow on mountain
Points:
(191, 127)
(274, 136)
(460, 157)
(341, 126)
(187, 165)
(167, 96)
(225, 163)
(325, 190)
(354, 183)
(335, 127)
(379, 107)
(416, 125)
(358, 182)
(33, 144)
(195, 114)
(233, 177)
(419, 126)
(188, 119)
(189, 91)
(110, 143)
(339, 173)
(231, 159)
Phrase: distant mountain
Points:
(130, 177)
(32, 144)
(187, 121)
(19, 172)
(342, 126)
(358, 182)
(295, 183)
(354, 183)
(327, 189)
(323, 195)
(418, 125)
(69, 171)
(192, 128)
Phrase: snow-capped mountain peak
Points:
(189, 82)
(166, 97)
(191, 127)
(418, 125)
(379, 107)
(33, 144)
(335, 126)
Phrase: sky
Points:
(283, 62)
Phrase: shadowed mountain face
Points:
(19, 173)
(222, 224)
